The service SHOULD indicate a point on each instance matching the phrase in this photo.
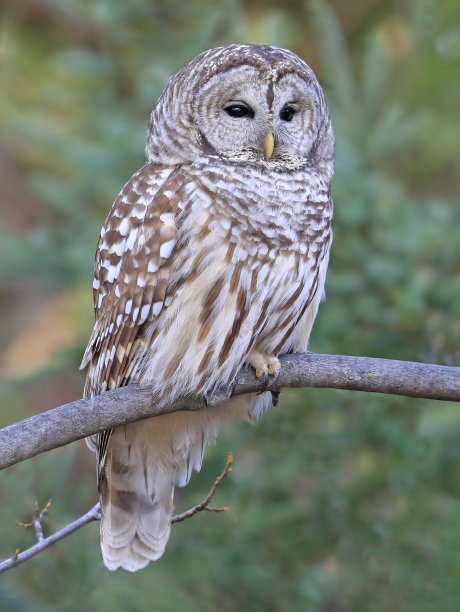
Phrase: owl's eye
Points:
(239, 110)
(286, 113)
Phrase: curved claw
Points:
(275, 377)
(266, 383)
(267, 368)
(269, 381)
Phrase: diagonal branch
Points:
(79, 419)
(20, 557)
(94, 515)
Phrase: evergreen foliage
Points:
(339, 501)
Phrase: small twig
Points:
(205, 503)
(94, 515)
(37, 519)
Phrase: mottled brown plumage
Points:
(213, 256)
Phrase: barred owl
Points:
(213, 256)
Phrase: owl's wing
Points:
(131, 272)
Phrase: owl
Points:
(213, 257)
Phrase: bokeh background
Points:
(339, 500)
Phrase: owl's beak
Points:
(269, 144)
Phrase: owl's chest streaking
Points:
(248, 273)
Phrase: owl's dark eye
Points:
(286, 113)
(239, 110)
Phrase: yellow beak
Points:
(269, 144)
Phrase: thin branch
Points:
(94, 515)
(84, 417)
(205, 503)
(37, 519)
(20, 557)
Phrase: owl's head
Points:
(244, 103)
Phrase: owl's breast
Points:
(246, 274)
(264, 214)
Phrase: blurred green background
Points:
(339, 500)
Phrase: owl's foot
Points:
(267, 368)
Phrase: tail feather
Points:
(132, 541)
(137, 505)
(144, 462)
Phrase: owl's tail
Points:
(145, 461)
(134, 525)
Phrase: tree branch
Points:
(204, 505)
(94, 515)
(79, 419)
(20, 557)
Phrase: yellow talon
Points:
(260, 371)
(264, 363)
(274, 366)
